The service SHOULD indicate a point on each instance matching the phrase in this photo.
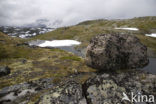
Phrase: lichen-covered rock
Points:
(23, 92)
(116, 51)
(109, 88)
(102, 90)
(69, 92)
(4, 70)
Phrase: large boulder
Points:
(116, 51)
(4, 70)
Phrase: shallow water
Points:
(151, 67)
(72, 50)
(66, 48)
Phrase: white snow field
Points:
(151, 35)
(59, 43)
(128, 28)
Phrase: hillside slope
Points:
(84, 31)
(37, 71)
(34, 63)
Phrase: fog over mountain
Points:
(68, 12)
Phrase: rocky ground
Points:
(33, 75)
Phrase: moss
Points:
(42, 68)
(57, 80)
(74, 58)
(57, 50)
(8, 46)
(148, 41)
(40, 63)
(84, 78)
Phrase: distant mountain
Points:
(25, 31)
(43, 23)
(40, 23)
(40, 26)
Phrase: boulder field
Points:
(106, 88)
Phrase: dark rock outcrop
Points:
(69, 92)
(116, 51)
(109, 88)
(106, 88)
(4, 70)
(23, 92)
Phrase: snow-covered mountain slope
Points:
(24, 32)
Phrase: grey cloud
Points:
(69, 12)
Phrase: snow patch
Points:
(22, 36)
(34, 34)
(133, 29)
(59, 43)
(27, 32)
(151, 35)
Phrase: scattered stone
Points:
(24, 61)
(116, 51)
(4, 70)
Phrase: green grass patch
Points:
(148, 41)
(74, 58)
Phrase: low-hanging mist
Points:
(69, 12)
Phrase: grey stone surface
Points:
(116, 51)
(4, 70)
(69, 92)
(109, 88)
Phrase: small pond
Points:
(151, 67)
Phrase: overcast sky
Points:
(69, 12)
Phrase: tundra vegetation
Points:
(33, 63)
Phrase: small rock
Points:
(4, 70)
(24, 61)
(116, 51)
